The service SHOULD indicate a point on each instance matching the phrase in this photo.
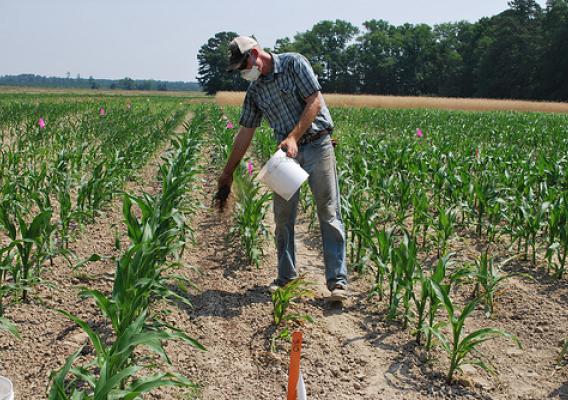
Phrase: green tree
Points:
(553, 76)
(213, 62)
(377, 58)
(332, 55)
(509, 66)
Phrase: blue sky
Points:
(146, 39)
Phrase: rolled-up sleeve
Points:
(306, 80)
(251, 116)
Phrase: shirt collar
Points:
(276, 63)
(276, 67)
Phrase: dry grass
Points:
(444, 103)
(103, 92)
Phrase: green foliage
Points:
(213, 63)
(518, 53)
(142, 276)
(282, 299)
(459, 346)
(250, 210)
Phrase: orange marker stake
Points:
(294, 373)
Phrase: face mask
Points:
(251, 74)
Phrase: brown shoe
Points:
(339, 293)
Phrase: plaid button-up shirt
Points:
(279, 96)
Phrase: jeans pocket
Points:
(321, 142)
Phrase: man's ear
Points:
(254, 52)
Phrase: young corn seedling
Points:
(282, 299)
(403, 275)
(420, 215)
(113, 375)
(31, 242)
(445, 228)
(156, 237)
(532, 219)
(428, 298)
(251, 208)
(381, 256)
(459, 346)
(558, 236)
(488, 281)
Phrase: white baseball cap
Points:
(239, 50)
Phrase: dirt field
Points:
(350, 352)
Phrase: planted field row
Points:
(437, 203)
(60, 164)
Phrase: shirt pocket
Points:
(288, 96)
(265, 105)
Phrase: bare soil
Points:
(349, 352)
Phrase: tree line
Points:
(92, 83)
(520, 53)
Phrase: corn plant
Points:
(488, 281)
(427, 302)
(402, 276)
(459, 346)
(531, 219)
(282, 299)
(112, 374)
(7, 325)
(558, 236)
(381, 256)
(445, 228)
(156, 236)
(250, 210)
(31, 243)
(420, 216)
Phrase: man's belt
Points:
(309, 137)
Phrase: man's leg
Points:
(285, 218)
(318, 160)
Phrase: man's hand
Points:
(290, 146)
(223, 189)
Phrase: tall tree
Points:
(213, 62)
(377, 58)
(509, 65)
(553, 74)
(327, 46)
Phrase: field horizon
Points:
(405, 102)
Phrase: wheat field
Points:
(445, 103)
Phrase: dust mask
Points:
(251, 74)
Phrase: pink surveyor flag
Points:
(230, 125)
(41, 123)
(249, 168)
(102, 111)
(419, 132)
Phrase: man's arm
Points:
(240, 147)
(311, 110)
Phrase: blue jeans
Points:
(318, 159)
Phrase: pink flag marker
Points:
(128, 106)
(230, 125)
(41, 123)
(249, 168)
(419, 132)
(102, 111)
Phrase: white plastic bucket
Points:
(283, 175)
(6, 389)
